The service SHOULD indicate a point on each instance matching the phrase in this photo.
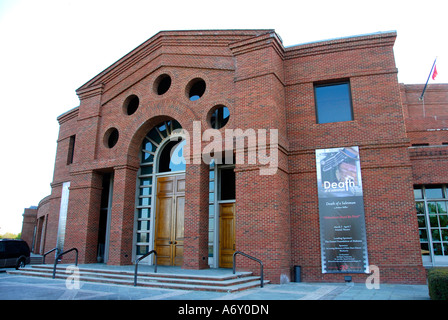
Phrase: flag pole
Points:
(429, 76)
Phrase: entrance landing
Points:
(168, 277)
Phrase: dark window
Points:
(227, 184)
(333, 102)
(71, 149)
(111, 137)
(162, 84)
(131, 104)
(219, 117)
(195, 89)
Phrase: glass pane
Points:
(443, 220)
(147, 157)
(333, 103)
(423, 235)
(418, 194)
(145, 170)
(435, 234)
(146, 181)
(421, 221)
(441, 207)
(210, 251)
(144, 201)
(143, 225)
(211, 210)
(162, 129)
(154, 135)
(176, 125)
(434, 192)
(420, 206)
(227, 184)
(144, 213)
(445, 235)
(145, 191)
(211, 186)
(437, 249)
(433, 221)
(141, 250)
(425, 249)
(147, 145)
(143, 237)
(432, 207)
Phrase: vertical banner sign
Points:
(341, 211)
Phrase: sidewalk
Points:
(16, 287)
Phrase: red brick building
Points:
(117, 192)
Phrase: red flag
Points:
(434, 74)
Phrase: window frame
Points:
(431, 258)
(321, 84)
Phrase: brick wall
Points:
(265, 86)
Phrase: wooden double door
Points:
(169, 224)
(169, 231)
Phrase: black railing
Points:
(140, 259)
(250, 257)
(59, 256)
(48, 252)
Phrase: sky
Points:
(49, 48)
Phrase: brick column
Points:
(196, 217)
(122, 216)
(83, 216)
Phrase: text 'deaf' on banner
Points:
(341, 211)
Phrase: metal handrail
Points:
(140, 259)
(48, 252)
(250, 257)
(60, 255)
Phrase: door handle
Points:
(171, 242)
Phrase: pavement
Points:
(19, 287)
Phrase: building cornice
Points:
(341, 44)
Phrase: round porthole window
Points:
(195, 89)
(131, 104)
(111, 138)
(219, 116)
(162, 84)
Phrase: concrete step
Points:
(36, 259)
(222, 283)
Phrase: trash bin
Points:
(297, 275)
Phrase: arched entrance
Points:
(160, 198)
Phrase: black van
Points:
(14, 253)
